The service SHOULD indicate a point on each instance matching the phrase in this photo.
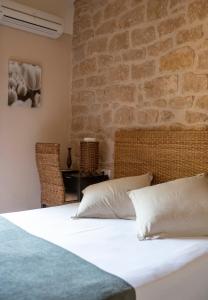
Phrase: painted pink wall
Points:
(21, 128)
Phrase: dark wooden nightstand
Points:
(75, 182)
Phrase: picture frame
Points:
(24, 84)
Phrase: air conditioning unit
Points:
(25, 18)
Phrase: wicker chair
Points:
(51, 181)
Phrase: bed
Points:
(158, 269)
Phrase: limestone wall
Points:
(138, 63)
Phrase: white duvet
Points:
(169, 269)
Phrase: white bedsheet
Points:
(170, 269)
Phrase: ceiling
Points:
(60, 8)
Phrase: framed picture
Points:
(24, 86)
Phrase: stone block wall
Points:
(138, 63)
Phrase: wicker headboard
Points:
(168, 154)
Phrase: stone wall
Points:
(138, 63)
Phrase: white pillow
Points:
(177, 208)
(109, 199)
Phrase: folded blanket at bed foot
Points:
(32, 268)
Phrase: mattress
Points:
(166, 269)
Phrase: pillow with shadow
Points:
(176, 208)
(109, 199)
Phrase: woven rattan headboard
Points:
(168, 154)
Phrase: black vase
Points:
(69, 159)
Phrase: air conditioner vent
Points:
(24, 18)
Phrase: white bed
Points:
(167, 269)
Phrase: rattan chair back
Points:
(51, 181)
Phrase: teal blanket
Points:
(34, 269)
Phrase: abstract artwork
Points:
(24, 86)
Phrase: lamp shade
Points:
(89, 156)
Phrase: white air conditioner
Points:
(23, 17)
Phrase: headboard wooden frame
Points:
(168, 154)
